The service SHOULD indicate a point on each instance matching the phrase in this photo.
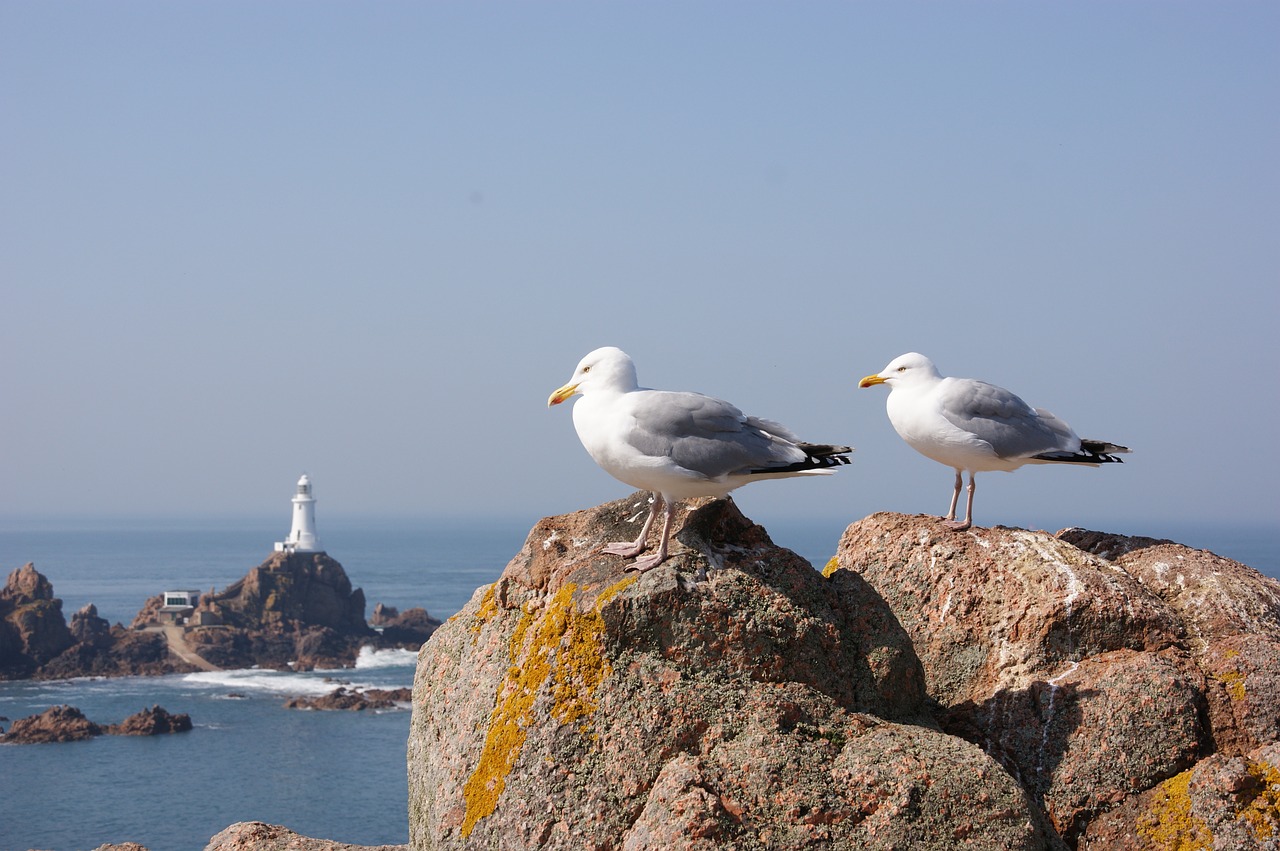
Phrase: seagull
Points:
(972, 425)
(677, 445)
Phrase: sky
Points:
(240, 241)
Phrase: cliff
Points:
(997, 688)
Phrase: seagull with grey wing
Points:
(975, 426)
(677, 445)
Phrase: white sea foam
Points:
(393, 658)
(257, 680)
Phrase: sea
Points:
(336, 775)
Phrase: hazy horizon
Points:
(245, 241)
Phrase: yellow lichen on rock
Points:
(1234, 681)
(1170, 825)
(832, 565)
(1263, 811)
(560, 644)
(488, 609)
(580, 665)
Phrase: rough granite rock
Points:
(55, 724)
(32, 627)
(258, 836)
(1094, 667)
(1225, 802)
(68, 724)
(294, 611)
(732, 697)
(155, 721)
(354, 699)
(408, 628)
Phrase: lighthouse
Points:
(302, 536)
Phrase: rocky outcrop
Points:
(56, 724)
(732, 697)
(257, 836)
(32, 627)
(408, 629)
(357, 699)
(68, 724)
(155, 721)
(294, 611)
(997, 688)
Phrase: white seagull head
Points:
(607, 368)
(906, 370)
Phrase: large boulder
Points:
(1095, 667)
(731, 697)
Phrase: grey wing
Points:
(706, 435)
(1012, 427)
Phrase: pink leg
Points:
(643, 564)
(968, 506)
(627, 549)
(955, 497)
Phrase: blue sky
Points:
(244, 240)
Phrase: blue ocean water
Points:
(336, 775)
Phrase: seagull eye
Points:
(586, 369)
(902, 369)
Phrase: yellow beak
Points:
(563, 393)
(871, 381)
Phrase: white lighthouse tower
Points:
(302, 536)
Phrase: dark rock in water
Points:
(151, 722)
(32, 627)
(56, 724)
(408, 629)
(68, 724)
(294, 611)
(353, 699)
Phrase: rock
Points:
(1227, 802)
(731, 697)
(1058, 662)
(294, 611)
(56, 724)
(87, 628)
(1095, 667)
(151, 722)
(257, 836)
(32, 627)
(305, 588)
(408, 629)
(123, 846)
(343, 698)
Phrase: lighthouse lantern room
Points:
(302, 536)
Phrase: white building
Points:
(302, 536)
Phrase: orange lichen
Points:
(1170, 824)
(1262, 812)
(486, 612)
(559, 644)
(1234, 681)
